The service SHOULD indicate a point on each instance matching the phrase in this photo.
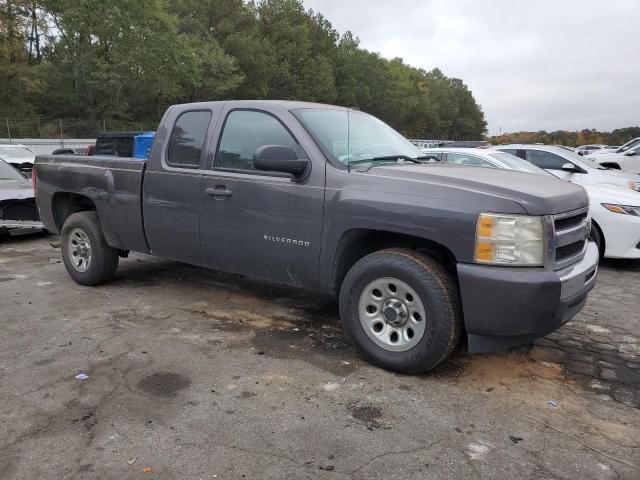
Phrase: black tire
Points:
(598, 238)
(438, 293)
(104, 259)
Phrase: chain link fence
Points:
(61, 128)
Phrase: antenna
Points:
(348, 140)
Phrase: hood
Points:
(15, 190)
(537, 194)
(613, 194)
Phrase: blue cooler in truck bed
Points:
(142, 145)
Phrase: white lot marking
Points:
(596, 384)
(43, 284)
(477, 451)
(330, 387)
(597, 329)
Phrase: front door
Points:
(255, 223)
(552, 163)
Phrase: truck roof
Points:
(288, 104)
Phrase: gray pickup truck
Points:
(335, 201)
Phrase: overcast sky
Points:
(532, 65)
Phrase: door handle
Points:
(219, 191)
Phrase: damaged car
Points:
(18, 211)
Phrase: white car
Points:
(614, 209)
(585, 150)
(18, 156)
(634, 142)
(571, 167)
(616, 218)
(628, 161)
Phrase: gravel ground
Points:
(195, 374)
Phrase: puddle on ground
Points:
(163, 384)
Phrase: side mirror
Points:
(570, 167)
(278, 158)
(632, 154)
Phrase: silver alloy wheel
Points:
(392, 314)
(79, 250)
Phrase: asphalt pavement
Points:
(200, 375)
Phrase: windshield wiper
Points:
(386, 157)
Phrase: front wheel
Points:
(86, 255)
(402, 310)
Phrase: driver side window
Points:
(244, 132)
(545, 160)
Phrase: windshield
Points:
(515, 163)
(352, 137)
(16, 153)
(631, 143)
(7, 172)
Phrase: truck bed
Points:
(112, 184)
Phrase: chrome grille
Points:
(570, 233)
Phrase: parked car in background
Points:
(587, 149)
(333, 200)
(69, 151)
(18, 211)
(482, 158)
(628, 161)
(572, 167)
(426, 144)
(627, 146)
(469, 144)
(614, 196)
(115, 144)
(18, 156)
(570, 149)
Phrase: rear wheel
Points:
(402, 310)
(86, 255)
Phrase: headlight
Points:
(633, 185)
(503, 239)
(623, 209)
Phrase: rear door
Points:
(256, 223)
(172, 184)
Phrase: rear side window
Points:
(546, 160)
(512, 151)
(244, 132)
(187, 139)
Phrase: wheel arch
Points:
(65, 204)
(612, 165)
(597, 228)
(357, 243)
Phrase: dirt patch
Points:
(163, 384)
(368, 414)
(510, 367)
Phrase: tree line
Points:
(568, 138)
(123, 62)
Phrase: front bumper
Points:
(505, 307)
(621, 235)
